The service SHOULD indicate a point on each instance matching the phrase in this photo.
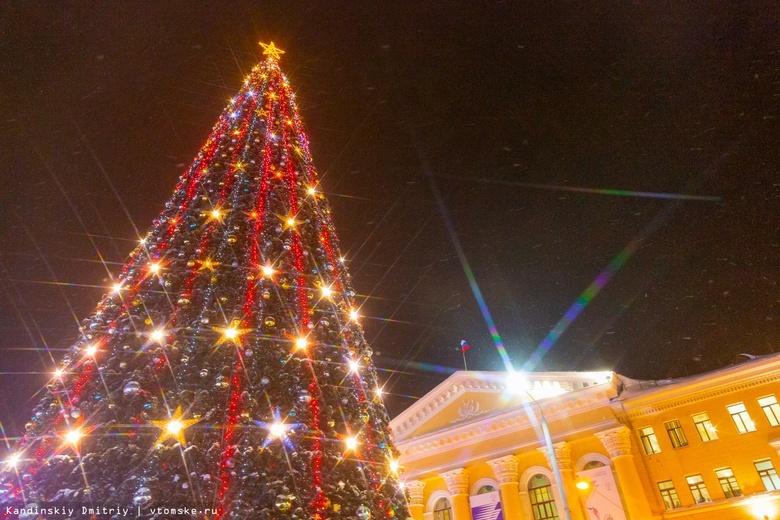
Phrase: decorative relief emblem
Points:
(468, 409)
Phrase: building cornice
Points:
(700, 388)
(465, 440)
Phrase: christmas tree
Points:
(227, 370)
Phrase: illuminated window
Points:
(442, 510)
(704, 427)
(768, 474)
(542, 501)
(485, 489)
(669, 495)
(728, 483)
(742, 420)
(649, 440)
(698, 489)
(771, 409)
(676, 434)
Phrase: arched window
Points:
(593, 465)
(542, 501)
(485, 489)
(442, 510)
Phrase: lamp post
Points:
(516, 383)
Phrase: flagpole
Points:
(465, 366)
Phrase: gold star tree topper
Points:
(272, 51)
(174, 427)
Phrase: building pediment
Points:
(467, 397)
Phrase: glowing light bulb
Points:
(353, 314)
(116, 288)
(379, 392)
(58, 373)
(342, 259)
(278, 430)
(351, 443)
(327, 292)
(268, 271)
(290, 221)
(157, 335)
(174, 426)
(394, 465)
(74, 436)
(312, 190)
(353, 366)
(90, 350)
(155, 267)
(582, 485)
(230, 333)
(13, 460)
(301, 343)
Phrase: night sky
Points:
(637, 140)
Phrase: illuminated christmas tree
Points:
(227, 369)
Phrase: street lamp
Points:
(516, 383)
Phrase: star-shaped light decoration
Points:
(208, 264)
(216, 214)
(351, 443)
(278, 430)
(232, 333)
(272, 51)
(174, 427)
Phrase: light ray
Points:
(593, 191)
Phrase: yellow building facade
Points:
(701, 447)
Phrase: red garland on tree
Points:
(226, 372)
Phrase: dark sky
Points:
(517, 112)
